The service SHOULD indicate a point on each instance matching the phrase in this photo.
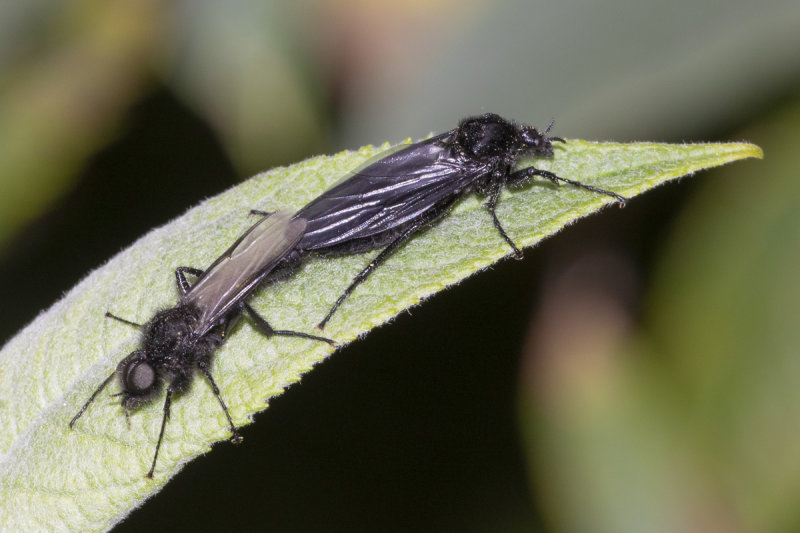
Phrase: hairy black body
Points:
(387, 201)
(169, 352)
(179, 341)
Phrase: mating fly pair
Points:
(387, 201)
(384, 203)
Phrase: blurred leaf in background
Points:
(68, 73)
(246, 67)
(617, 70)
(689, 421)
(72, 71)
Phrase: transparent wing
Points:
(237, 272)
(387, 192)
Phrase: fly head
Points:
(537, 143)
(138, 380)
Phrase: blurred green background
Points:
(638, 372)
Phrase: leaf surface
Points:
(89, 478)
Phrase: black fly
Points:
(179, 340)
(388, 200)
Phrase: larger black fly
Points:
(387, 201)
(178, 341)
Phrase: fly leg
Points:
(235, 437)
(91, 399)
(264, 327)
(522, 175)
(180, 277)
(115, 317)
(261, 213)
(167, 403)
(491, 204)
(106, 381)
(380, 258)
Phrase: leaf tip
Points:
(754, 151)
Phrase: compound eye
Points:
(139, 377)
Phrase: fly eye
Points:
(139, 377)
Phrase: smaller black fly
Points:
(178, 341)
(386, 201)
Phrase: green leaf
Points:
(89, 478)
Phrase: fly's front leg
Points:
(491, 204)
(124, 321)
(167, 403)
(105, 381)
(91, 399)
(521, 176)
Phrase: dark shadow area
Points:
(164, 161)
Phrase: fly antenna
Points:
(547, 130)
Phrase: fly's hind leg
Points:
(267, 330)
(380, 258)
(180, 277)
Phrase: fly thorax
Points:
(171, 332)
(487, 137)
(204, 347)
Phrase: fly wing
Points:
(387, 193)
(237, 272)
